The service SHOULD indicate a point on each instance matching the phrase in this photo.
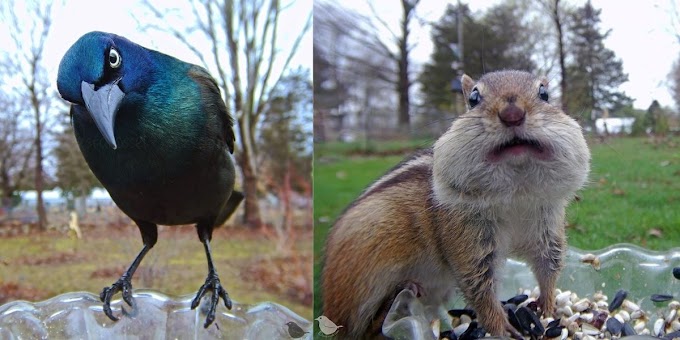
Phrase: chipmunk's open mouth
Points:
(519, 146)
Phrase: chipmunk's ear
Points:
(467, 85)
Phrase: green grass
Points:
(334, 150)
(45, 264)
(634, 189)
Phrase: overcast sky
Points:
(74, 18)
(642, 37)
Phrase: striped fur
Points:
(444, 220)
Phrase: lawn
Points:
(633, 195)
(37, 265)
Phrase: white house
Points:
(614, 125)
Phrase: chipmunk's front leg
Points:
(476, 263)
(546, 257)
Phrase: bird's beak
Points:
(103, 105)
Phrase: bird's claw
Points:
(122, 285)
(211, 283)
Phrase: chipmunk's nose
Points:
(512, 116)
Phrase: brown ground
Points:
(36, 265)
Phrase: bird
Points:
(294, 330)
(326, 326)
(158, 136)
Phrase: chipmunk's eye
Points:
(474, 98)
(543, 93)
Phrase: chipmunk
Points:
(495, 184)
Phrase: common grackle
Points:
(156, 133)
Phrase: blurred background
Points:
(386, 82)
(61, 232)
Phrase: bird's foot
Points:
(211, 283)
(122, 285)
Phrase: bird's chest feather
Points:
(161, 163)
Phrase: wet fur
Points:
(448, 216)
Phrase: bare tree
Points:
(400, 57)
(359, 79)
(29, 25)
(245, 49)
(364, 32)
(286, 155)
(558, 18)
(16, 148)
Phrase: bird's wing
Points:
(210, 88)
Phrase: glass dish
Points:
(641, 272)
(79, 315)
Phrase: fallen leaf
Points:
(656, 232)
(618, 192)
(592, 260)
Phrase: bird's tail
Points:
(229, 208)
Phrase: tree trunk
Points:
(404, 100)
(404, 83)
(7, 202)
(288, 228)
(562, 54)
(251, 216)
(40, 204)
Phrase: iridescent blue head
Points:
(98, 71)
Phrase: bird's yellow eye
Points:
(114, 58)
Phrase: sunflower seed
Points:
(675, 325)
(676, 272)
(602, 304)
(592, 260)
(447, 335)
(460, 329)
(658, 327)
(618, 300)
(587, 317)
(630, 306)
(512, 318)
(581, 305)
(553, 332)
(562, 298)
(614, 326)
(516, 300)
(529, 321)
(589, 329)
(627, 330)
(637, 314)
(473, 332)
(620, 318)
(598, 296)
(435, 325)
(460, 312)
(564, 311)
(661, 297)
(670, 316)
(672, 335)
